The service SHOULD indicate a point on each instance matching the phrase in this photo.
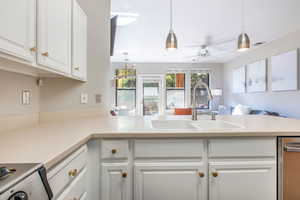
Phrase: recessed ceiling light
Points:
(125, 19)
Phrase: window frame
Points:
(125, 89)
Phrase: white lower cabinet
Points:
(170, 182)
(162, 172)
(116, 182)
(68, 179)
(77, 188)
(245, 180)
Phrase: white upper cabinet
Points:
(17, 32)
(79, 42)
(54, 34)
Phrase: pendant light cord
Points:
(171, 15)
(243, 16)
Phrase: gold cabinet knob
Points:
(33, 49)
(201, 174)
(124, 174)
(73, 172)
(114, 151)
(45, 54)
(215, 174)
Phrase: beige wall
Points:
(286, 103)
(62, 94)
(11, 87)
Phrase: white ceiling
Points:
(195, 20)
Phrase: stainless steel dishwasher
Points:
(289, 168)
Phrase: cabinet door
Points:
(116, 182)
(54, 34)
(170, 182)
(17, 32)
(79, 42)
(245, 181)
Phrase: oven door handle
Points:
(292, 147)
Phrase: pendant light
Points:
(171, 43)
(243, 41)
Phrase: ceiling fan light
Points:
(243, 42)
(171, 43)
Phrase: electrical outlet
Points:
(98, 98)
(25, 97)
(84, 98)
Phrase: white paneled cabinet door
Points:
(79, 42)
(246, 181)
(54, 34)
(170, 183)
(116, 182)
(17, 32)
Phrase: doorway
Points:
(150, 95)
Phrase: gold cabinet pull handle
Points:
(33, 49)
(45, 54)
(73, 172)
(76, 68)
(124, 175)
(114, 151)
(201, 174)
(215, 174)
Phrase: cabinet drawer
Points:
(77, 189)
(169, 148)
(245, 147)
(64, 173)
(114, 149)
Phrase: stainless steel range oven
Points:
(24, 182)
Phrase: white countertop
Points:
(48, 143)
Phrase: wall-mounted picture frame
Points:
(239, 80)
(257, 76)
(284, 71)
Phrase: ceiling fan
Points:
(211, 49)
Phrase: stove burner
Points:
(5, 172)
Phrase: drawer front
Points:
(77, 189)
(242, 147)
(114, 149)
(65, 174)
(169, 148)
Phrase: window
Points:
(202, 101)
(175, 90)
(126, 89)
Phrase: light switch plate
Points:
(84, 98)
(98, 98)
(25, 97)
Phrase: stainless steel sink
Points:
(194, 125)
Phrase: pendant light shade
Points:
(171, 42)
(244, 40)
